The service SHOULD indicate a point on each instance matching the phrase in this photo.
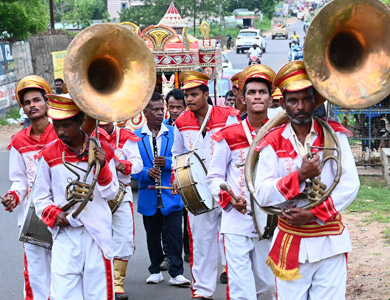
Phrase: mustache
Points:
(301, 113)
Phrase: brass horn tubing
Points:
(253, 155)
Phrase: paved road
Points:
(11, 258)
(277, 51)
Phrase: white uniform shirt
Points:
(277, 183)
(23, 163)
(49, 194)
(187, 129)
(126, 148)
(227, 167)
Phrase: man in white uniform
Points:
(309, 249)
(246, 253)
(126, 149)
(204, 228)
(82, 250)
(30, 93)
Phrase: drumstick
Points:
(224, 187)
(159, 187)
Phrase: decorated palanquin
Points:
(175, 50)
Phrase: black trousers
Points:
(186, 240)
(153, 227)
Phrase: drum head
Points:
(199, 173)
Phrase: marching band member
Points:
(309, 249)
(126, 149)
(31, 95)
(156, 154)
(204, 228)
(249, 278)
(82, 251)
(240, 105)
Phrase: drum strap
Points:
(247, 132)
(272, 220)
(206, 119)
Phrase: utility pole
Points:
(194, 17)
(52, 29)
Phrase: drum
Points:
(190, 176)
(34, 231)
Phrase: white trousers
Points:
(36, 272)
(123, 231)
(325, 280)
(79, 270)
(222, 249)
(203, 232)
(249, 277)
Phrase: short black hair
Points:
(43, 93)
(59, 79)
(155, 97)
(204, 88)
(257, 80)
(78, 118)
(229, 94)
(178, 94)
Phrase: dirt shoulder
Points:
(6, 132)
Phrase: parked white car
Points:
(247, 37)
(226, 63)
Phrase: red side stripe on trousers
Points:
(109, 278)
(227, 270)
(191, 252)
(27, 286)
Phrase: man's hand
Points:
(154, 173)
(240, 205)
(61, 220)
(121, 167)
(311, 167)
(159, 161)
(298, 216)
(9, 202)
(175, 188)
(100, 155)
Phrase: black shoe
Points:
(223, 277)
(165, 265)
(121, 297)
(187, 257)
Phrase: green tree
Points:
(267, 7)
(20, 18)
(80, 12)
(153, 10)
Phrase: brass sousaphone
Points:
(110, 74)
(347, 58)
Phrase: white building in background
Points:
(115, 6)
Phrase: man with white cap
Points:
(31, 95)
(246, 251)
(204, 228)
(82, 250)
(309, 252)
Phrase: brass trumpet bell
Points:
(110, 72)
(346, 52)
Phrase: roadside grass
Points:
(12, 113)
(373, 198)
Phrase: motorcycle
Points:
(254, 60)
(295, 54)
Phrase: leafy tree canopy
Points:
(79, 12)
(153, 10)
(20, 18)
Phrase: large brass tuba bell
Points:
(346, 52)
(110, 72)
